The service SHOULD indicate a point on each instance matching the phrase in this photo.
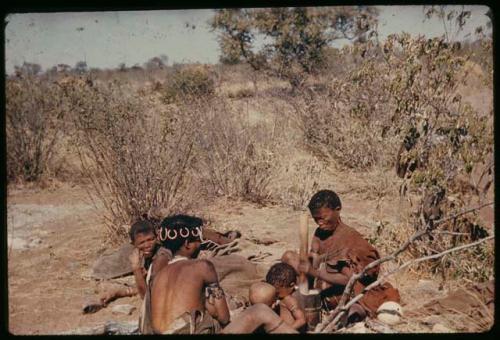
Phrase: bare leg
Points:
(255, 316)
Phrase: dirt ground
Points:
(55, 235)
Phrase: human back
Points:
(178, 289)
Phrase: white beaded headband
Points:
(171, 234)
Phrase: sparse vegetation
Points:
(392, 110)
(34, 127)
(134, 159)
(188, 82)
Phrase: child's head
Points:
(262, 292)
(283, 277)
(142, 236)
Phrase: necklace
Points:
(178, 258)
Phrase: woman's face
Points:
(327, 218)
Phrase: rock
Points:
(358, 327)
(123, 309)
(390, 313)
(114, 263)
(440, 328)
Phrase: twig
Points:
(350, 284)
(346, 307)
(449, 233)
(462, 213)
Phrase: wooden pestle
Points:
(303, 250)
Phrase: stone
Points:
(440, 328)
(113, 263)
(356, 328)
(390, 313)
(123, 309)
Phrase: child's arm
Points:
(139, 272)
(292, 305)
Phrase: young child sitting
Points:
(262, 292)
(283, 277)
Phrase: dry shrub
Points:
(135, 160)
(188, 81)
(473, 265)
(242, 92)
(34, 127)
(234, 157)
(299, 181)
(348, 123)
(441, 138)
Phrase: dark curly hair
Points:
(140, 227)
(281, 275)
(176, 222)
(324, 199)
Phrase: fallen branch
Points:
(350, 284)
(380, 280)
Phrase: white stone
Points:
(123, 309)
(390, 312)
(440, 328)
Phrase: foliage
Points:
(294, 39)
(303, 179)
(34, 124)
(404, 93)
(187, 82)
(27, 69)
(453, 19)
(134, 159)
(156, 63)
(348, 123)
(234, 157)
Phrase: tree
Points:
(80, 67)
(64, 68)
(292, 41)
(122, 67)
(156, 63)
(27, 69)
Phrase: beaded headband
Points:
(171, 234)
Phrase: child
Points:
(262, 292)
(146, 249)
(283, 277)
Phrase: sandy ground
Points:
(55, 236)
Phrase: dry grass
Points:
(134, 160)
(230, 131)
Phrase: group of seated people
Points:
(182, 295)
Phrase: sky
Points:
(107, 39)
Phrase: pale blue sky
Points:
(106, 39)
